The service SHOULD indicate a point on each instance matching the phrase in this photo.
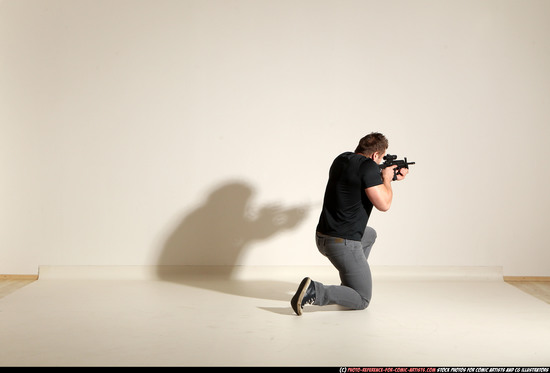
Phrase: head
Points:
(373, 145)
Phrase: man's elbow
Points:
(383, 206)
(380, 197)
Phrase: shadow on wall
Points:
(210, 240)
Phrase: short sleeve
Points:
(370, 174)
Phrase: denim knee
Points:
(369, 236)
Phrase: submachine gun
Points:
(391, 160)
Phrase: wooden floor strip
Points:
(18, 277)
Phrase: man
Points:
(355, 185)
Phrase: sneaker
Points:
(304, 295)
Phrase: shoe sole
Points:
(297, 298)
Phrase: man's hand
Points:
(388, 172)
(402, 173)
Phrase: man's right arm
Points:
(381, 195)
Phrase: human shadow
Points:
(204, 249)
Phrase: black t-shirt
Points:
(346, 208)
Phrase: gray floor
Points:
(89, 318)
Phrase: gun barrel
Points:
(391, 160)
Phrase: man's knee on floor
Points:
(364, 304)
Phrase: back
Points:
(346, 208)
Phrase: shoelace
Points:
(309, 301)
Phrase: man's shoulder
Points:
(352, 156)
(358, 159)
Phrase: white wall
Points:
(163, 132)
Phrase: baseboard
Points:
(322, 273)
(526, 278)
(418, 273)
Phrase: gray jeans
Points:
(350, 259)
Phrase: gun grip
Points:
(395, 173)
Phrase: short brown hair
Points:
(372, 143)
